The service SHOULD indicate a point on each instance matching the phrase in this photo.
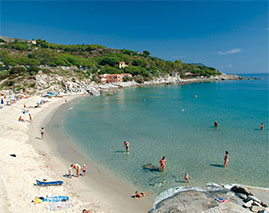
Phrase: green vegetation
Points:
(21, 58)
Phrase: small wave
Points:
(173, 191)
(71, 108)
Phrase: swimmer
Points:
(216, 124)
(196, 96)
(162, 164)
(262, 126)
(127, 146)
(187, 177)
(226, 159)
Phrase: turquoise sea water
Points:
(156, 125)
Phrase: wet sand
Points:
(99, 189)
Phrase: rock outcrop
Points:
(236, 199)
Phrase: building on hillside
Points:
(139, 53)
(113, 78)
(122, 64)
(31, 41)
(192, 74)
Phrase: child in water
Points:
(127, 146)
(162, 164)
(187, 177)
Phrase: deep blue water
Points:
(170, 121)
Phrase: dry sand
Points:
(99, 191)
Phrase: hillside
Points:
(21, 60)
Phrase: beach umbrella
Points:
(2, 101)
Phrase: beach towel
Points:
(56, 199)
(221, 200)
(58, 206)
(51, 183)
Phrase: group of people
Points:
(77, 167)
(163, 162)
(25, 111)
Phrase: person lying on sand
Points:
(21, 119)
(86, 211)
(140, 195)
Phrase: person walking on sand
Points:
(162, 164)
(187, 177)
(30, 117)
(226, 159)
(262, 126)
(77, 167)
(42, 131)
(70, 172)
(127, 146)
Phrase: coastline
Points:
(99, 191)
(99, 183)
(35, 159)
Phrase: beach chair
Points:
(51, 183)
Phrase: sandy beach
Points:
(98, 191)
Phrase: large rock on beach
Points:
(240, 189)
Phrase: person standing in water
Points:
(262, 126)
(127, 146)
(42, 131)
(226, 159)
(187, 177)
(216, 124)
(162, 164)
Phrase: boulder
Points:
(264, 204)
(242, 196)
(256, 208)
(242, 190)
(250, 197)
(248, 204)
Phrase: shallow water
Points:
(170, 121)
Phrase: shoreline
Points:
(108, 187)
(36, 159)
(87, 192)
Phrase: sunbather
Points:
(21, 119)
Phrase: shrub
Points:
(17, 70)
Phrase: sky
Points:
(231, 36)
